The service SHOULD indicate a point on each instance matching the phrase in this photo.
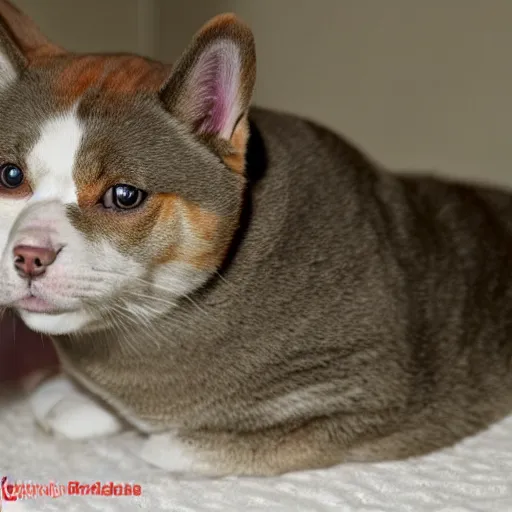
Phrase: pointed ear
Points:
(12, 61)
(25, 33)
(211, 86)
(21, 41)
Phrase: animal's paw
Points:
(171, 453)
(65, 411)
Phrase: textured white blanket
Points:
(476, 475)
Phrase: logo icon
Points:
(6, 492)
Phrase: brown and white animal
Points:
(244, 287)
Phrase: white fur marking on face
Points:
(52, 160)
(62, 409)
(9, 211)
(57, 324)
(176, 279)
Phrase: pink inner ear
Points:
(213, 90)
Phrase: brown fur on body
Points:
(348, 313)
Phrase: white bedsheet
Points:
(476, 475)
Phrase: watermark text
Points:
(14, 491)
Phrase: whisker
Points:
(136, 317)
(127, 341)
(196, 305)
(159, 287)
(231, 287)
(147, 305)
(150, 297)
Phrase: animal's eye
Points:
(123, 197)
(11, 176)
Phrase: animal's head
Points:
(121, 179)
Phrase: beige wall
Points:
(87, 25)
(418, 84)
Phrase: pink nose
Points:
(31, 261)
